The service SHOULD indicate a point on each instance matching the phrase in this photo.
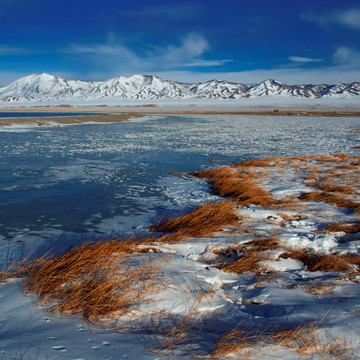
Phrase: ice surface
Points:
(62, 186)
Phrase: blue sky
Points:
(305, 41)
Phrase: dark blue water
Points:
(92, 180)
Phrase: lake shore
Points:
(66, 120)
(111, 114)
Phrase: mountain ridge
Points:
(46, 87)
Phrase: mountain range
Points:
(45, 88)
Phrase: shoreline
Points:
(67, 120)
(123, 113)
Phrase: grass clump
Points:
(238, 340)
(331, 198)
(343, 227)
(204, 220)
(323, 262)
(305, 339)
(94, 280)
(247, 256)
(238, 186)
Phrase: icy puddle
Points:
(268, 269)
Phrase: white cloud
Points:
(349, 18)
(303, 59)
(100, 50)
(206, 63)
(114, 56)
(191, 46)
(347, 57)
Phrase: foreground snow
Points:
(204, 303)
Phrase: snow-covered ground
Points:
(196, 296)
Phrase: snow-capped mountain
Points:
(45, 87)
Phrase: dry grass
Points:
(304, 338)
(246, 262)
(237, 341)
(274, 161)
(93, 280)
(343, 227)
(238, 186)
(320, 262)
(328, 185)
(21, 267)
(204, 220)
(331, 198)
(247, 256)
(320, 289)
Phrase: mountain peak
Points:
(45, 87)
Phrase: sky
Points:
(248, 41)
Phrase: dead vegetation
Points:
(94, 280)
(21, 267)
(328, 185)
(245, 257)
(238, 341)
(238, 186)
(305, 339)
(320, 289)
(204, 220)
(343, 227)
(323, 262)
(331, 198)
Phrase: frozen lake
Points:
(70, 183)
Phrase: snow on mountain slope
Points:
(45, 87)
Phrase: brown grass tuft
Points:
(93, 280)
(246, 262)
(304, 338)
(343, 227)
(328, 185)
(248, 255)
(21, 267)
(239, 187)
(331, 198)
(237, 341)
(319, 262)
(204, 220)
(274, 161)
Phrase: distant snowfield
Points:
(282, 294)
